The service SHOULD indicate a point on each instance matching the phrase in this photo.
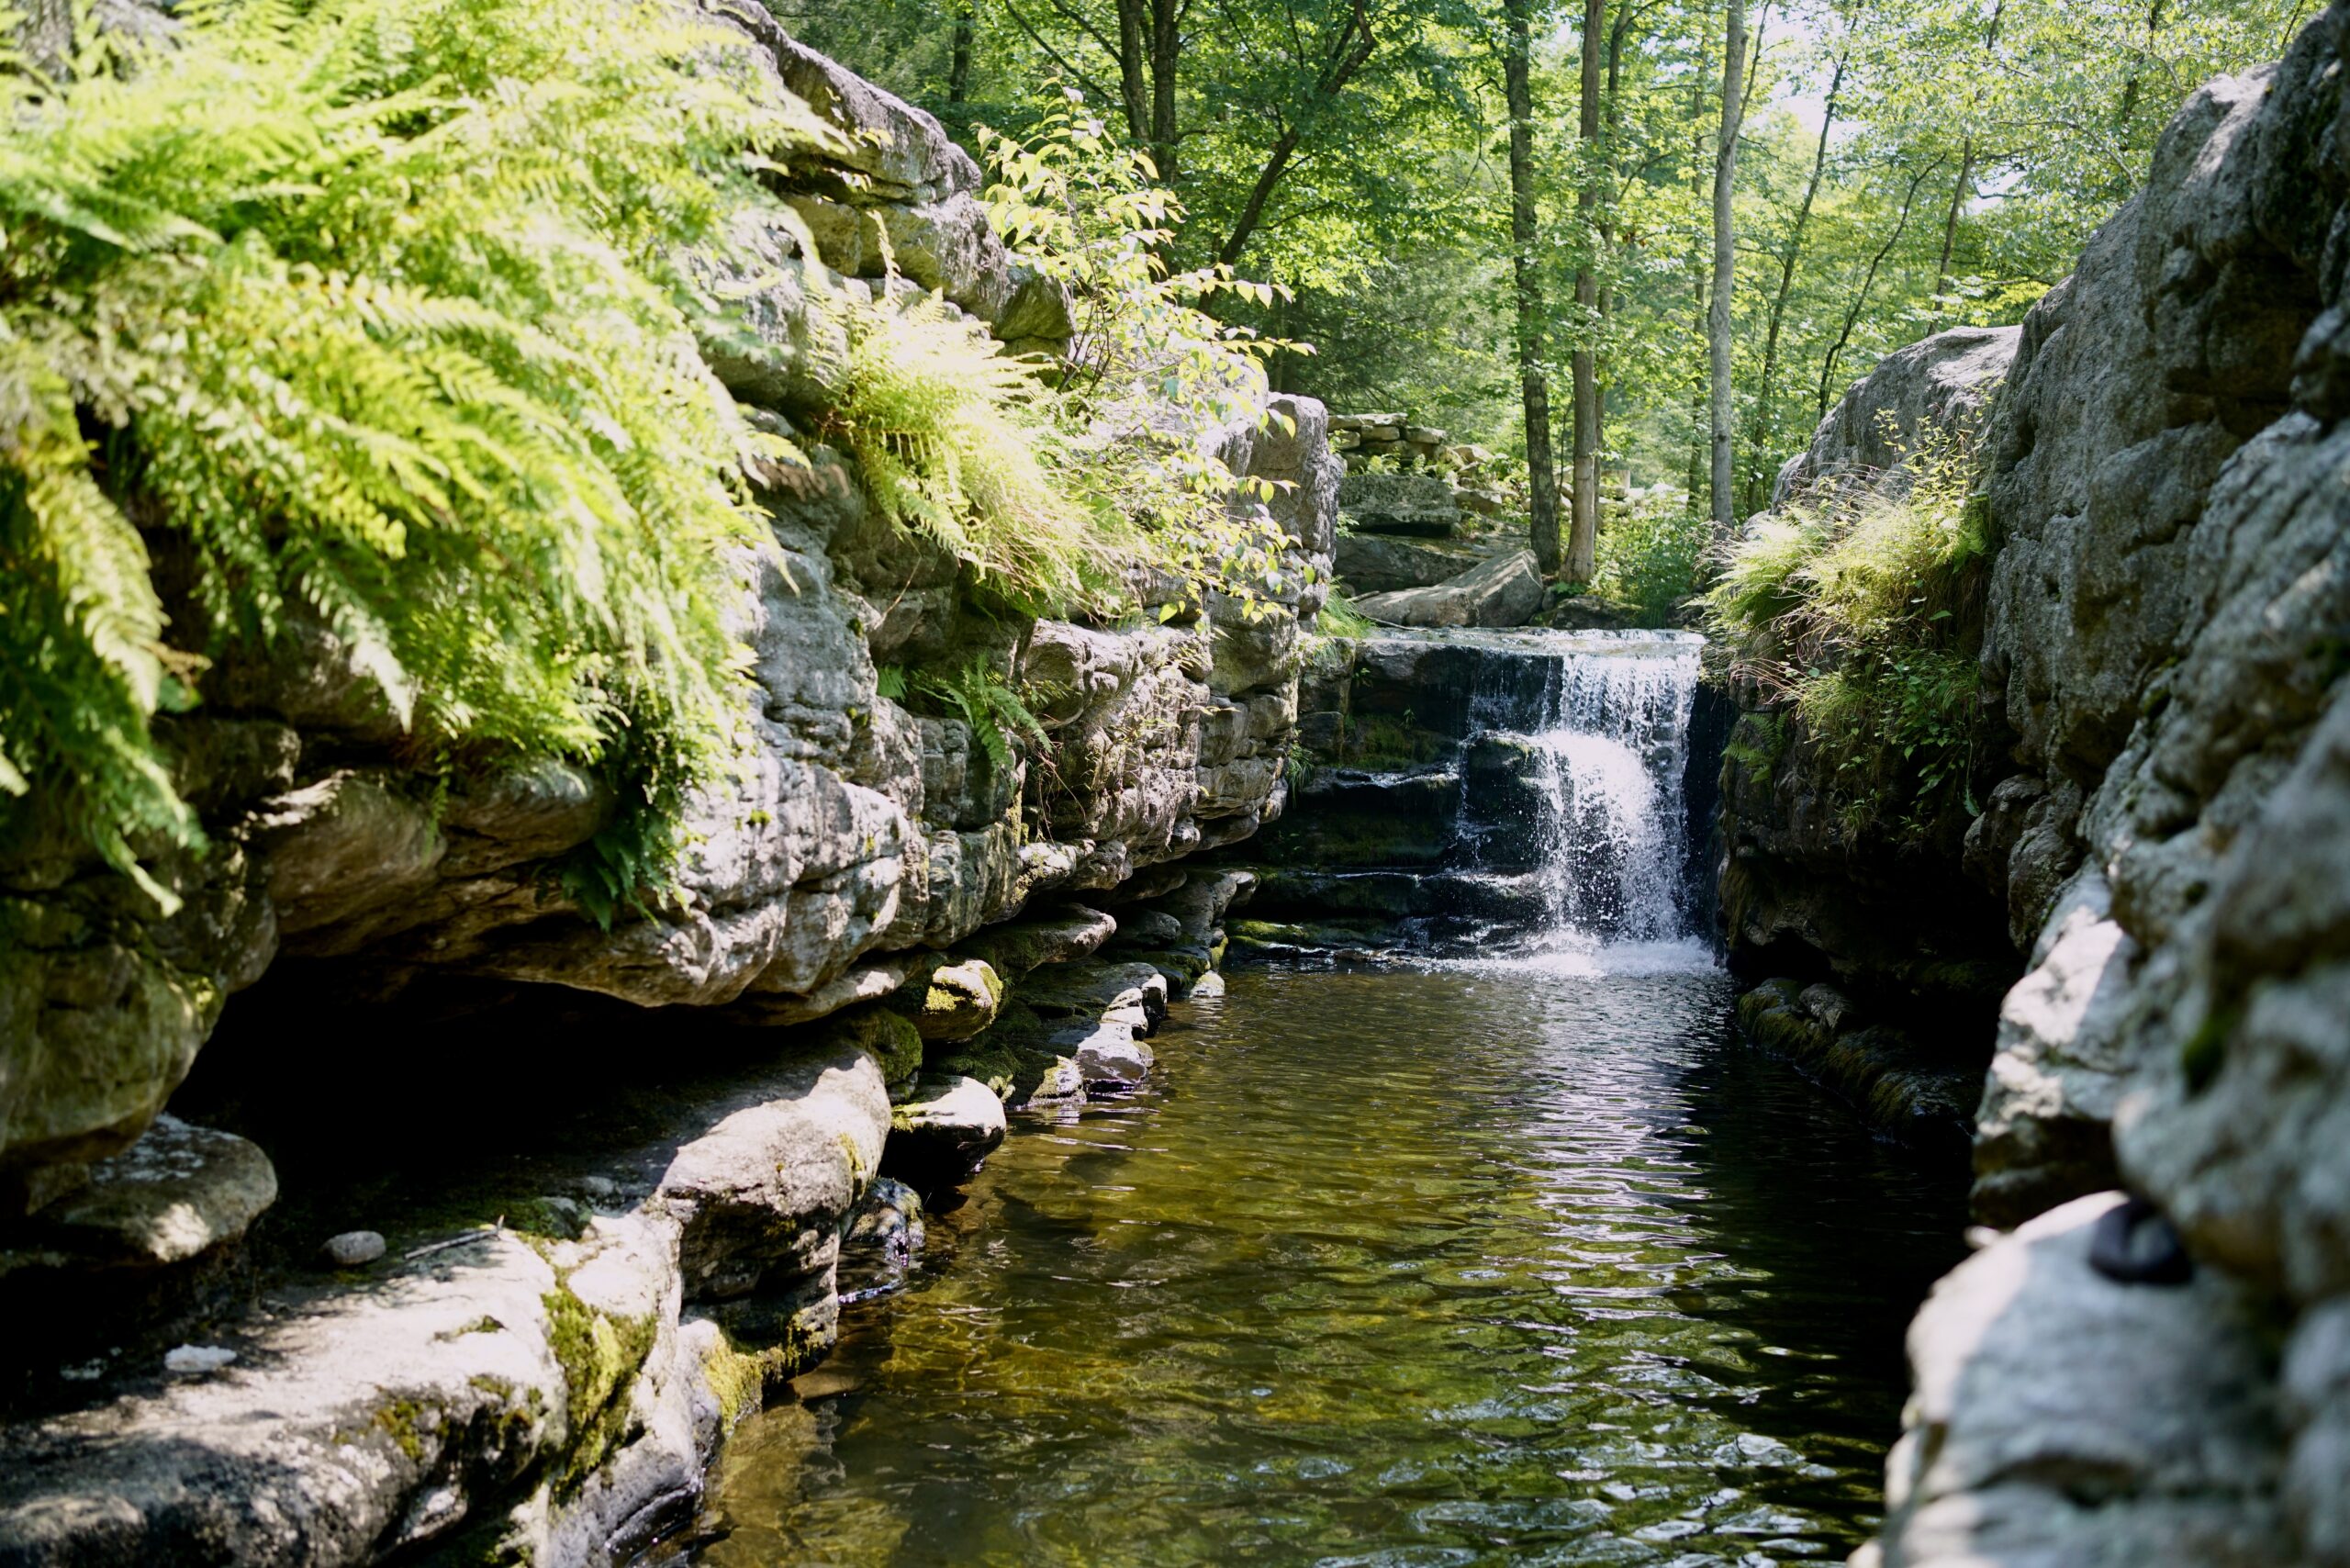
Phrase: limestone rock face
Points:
(1505, 590)
(2062, 1418)
(1376, 563)
(1416, 506)
(854, 831)
(895, 187)
(1888, 916)
(2163, 643)
(1927, 391)
(2041, 1136)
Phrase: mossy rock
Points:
(1010, 1057)
(889, 1037)
(600, 1356)
(950, 998)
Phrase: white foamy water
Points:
(1597, 820)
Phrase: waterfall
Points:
(1573, 814)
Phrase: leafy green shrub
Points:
(1340, 618)
(1649, 556)
(1150, 377)
(1860, 607)
(379, 308)
(955, 441)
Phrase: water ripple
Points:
(1496, 1263)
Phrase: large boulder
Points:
(1378, 563)
(1419, 506)
(177, 1194)
(2063, 1419)
(1936, 390)
(1506, 590)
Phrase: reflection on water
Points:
(1397, 1267)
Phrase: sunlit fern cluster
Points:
(375, 310)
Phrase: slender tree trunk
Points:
(1698, 396)
(1959, 191)
(1760, 427)
(1534, 381)
(1133, 88)
(1860, 295)
(1613, 121)
(1718, 318)
(958, 63)
(1166, 48)
(1582, 539)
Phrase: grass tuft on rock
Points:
(1858, 612)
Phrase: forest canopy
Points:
(1903, 165)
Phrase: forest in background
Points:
(1899, 166)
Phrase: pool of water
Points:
(1511, 1264)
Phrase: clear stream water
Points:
(1524, 1259)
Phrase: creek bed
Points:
(1485, 1264)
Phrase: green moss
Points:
(1384, 743)
(483, 1325)
(2206, 1050)
(399, 1420)
(554, 1219)
(888, 1038)
(599, 1356)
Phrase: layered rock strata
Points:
(2164, 840)
(908, 930)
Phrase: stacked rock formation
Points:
(2163, 854)
(886, 935)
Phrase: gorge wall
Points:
(885, 934)
(2162, 855)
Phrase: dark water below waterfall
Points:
(1527, 1264)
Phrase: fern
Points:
(999, 719)
(381, 308)
(953, 439)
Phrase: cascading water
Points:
(1570, 832)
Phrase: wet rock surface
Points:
(2164, 810)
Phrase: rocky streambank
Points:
(609, 1173)
(2134, 949)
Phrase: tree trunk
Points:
(1534, 381)
(958, 63)
(1166, 47)
(1861, 296)
(1582, 540)
(1959, 192)
(1760, 427)
(1718, 317)
(1353, 49)
(1698, 397)
(1133, 59)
